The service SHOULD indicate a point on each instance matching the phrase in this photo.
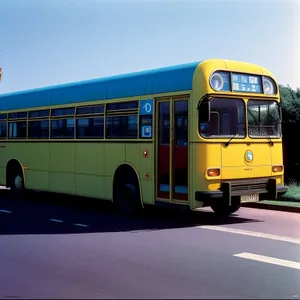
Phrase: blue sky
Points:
(46, 42)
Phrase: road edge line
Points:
(292, 209)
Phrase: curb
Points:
(293, 209)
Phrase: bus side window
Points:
(122, 127)
(62, 128)
(3, 129)
(17, 129)
(63, 111)
(90, 127)
(38, 129)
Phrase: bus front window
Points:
(263, 119)
(227, 119)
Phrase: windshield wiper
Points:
(227, 143)
(260, 126)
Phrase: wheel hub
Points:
(18, 182)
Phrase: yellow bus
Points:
(200, 134)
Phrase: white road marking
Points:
(2, 187)
(270, 260)
(81, 225)
(254, 234)
(61, 221)
(55, 220)
(5, 211)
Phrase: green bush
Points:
(293, 193)
(290, 101)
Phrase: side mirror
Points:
(204, 111)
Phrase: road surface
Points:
(49, 250)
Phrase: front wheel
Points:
(224, 209)
(127, 195)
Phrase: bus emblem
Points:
(147, 108)
(249, 155)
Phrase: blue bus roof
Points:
(163, 80)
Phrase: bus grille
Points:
(249, 186)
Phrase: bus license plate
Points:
(249, 198)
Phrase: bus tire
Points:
(15, 179)
(126, 192)
(221, 208)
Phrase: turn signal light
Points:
(276, 169)
(213, 172)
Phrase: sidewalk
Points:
(275, 205)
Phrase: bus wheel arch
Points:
(15, 177)
(127, 190)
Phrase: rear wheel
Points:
(16, 182)
(127, 193)
(223, 209)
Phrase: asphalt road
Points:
(74, 250)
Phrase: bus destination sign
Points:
(246, 83)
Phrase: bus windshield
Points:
(227, 119)
(263, 119)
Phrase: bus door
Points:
(172, 150)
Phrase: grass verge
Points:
(293, 193)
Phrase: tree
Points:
(290, 100)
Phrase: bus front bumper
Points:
(265, 187)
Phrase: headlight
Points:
(269, 86)
(216, 81)
(220, 81)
